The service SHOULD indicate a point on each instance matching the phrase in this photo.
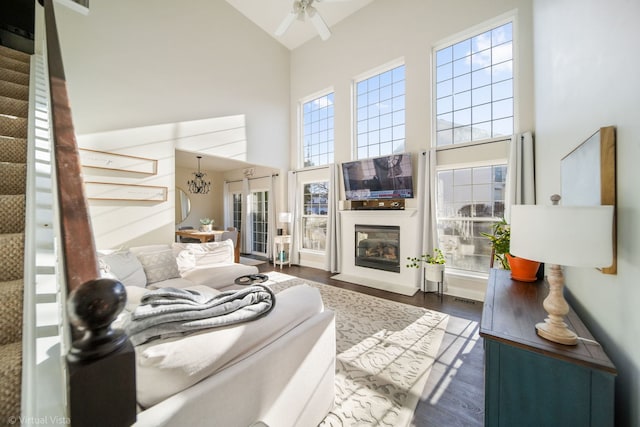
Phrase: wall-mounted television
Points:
(386, 177)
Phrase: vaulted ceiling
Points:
(268, 14)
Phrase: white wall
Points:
(138, 63)
(123, 223)
(586, 78)
(384, 31)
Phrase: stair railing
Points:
(100, 361)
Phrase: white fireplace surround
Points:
(407, 282)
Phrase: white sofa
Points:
(278, 370)
(178, 265)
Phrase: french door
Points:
(259, 222)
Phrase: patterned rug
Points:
(385, 351)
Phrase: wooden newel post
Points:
(101, 363)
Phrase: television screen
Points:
(387, 177)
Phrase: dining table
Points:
(203, 236)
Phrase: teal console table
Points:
(530, 381)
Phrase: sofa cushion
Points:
(191, 255)
(159, 265)
(124, 266)
(165, 367)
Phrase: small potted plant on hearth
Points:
(433, 265)
(522, 269)
(207, 224)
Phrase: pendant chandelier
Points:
(198, 185)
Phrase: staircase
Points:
(14, 104)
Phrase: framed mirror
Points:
(183, 205)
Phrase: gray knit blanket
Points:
(170, 312)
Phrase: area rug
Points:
(385, 351)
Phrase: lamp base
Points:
(559, 334)
(554, 329)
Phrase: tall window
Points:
(260, 221)
(317, 136)
(380, 114)
(314, 215)
(474, 88)
(469, 202)
(236, 206)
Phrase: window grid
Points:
(469, 202)
(317, 125)
(380, 114)
(474, 88)
(314, 215)
(236, 212)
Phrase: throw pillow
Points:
(124, 266)
(159, 265)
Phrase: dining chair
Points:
(233, 236)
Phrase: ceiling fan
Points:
(301, 10)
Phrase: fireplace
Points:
(378, 246)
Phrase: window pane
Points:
(317, 130)
(462, 100)
(468, 202)
(444, 55)
(462, 49)
(444, 72)
(381, 111)
(481, 77)
(461, 66)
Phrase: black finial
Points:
(92, 308)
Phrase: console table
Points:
(530, 381)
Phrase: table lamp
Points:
(574, 236)
(284, 218)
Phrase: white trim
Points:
(476, 29)
(301, 247)
(511, 16)
(300, 118)
(378, 70)
(354, 96)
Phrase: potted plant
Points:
(433, 265)
(500, 240)
(207, 224)
(522, 269)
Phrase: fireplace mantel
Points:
(378, 213)
(407, 281)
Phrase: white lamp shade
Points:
(284, 217)
(577, 236)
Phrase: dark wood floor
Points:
(454, 394)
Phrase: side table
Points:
(281, 251)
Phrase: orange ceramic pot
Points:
(522, 269)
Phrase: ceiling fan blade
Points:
(286, 23)
(319, 23)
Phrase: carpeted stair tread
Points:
(13, 179)
(11, 380)
(14, 90)
(13, 76)
(17, 55)
(11, 256)
(11, 295)
(12, 64)
(14, 107)
(13, 150)
(12, 211)
(13, 126)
